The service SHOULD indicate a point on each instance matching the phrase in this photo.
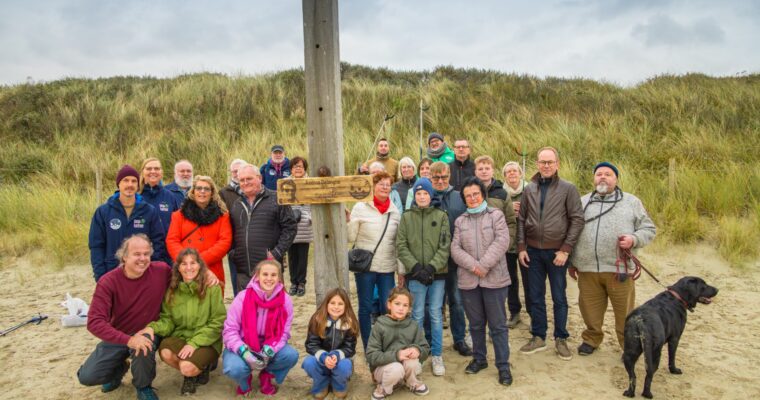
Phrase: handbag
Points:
(360, 260)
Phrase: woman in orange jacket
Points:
(202, 223)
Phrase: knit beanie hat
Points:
(608, 165)
(125, 171)
(423, 184)
(435, 135)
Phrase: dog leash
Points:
(626, 255)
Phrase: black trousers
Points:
(106, 363)
(298, 258)
(513, 297)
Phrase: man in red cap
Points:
(123, 215)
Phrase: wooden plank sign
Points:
(331, 189)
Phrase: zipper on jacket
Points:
(596, 236)
(247, 224)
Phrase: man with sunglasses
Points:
(615, 221)
(549, 224)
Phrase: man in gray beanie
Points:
(614, 221)
(438, 150)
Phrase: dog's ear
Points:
(693, 289)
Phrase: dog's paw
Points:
(629, 393)
(647, 394)
(675, 371)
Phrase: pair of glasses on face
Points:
(440, 177)
(473, 196)
(546, 163)
(203, 189)
(384, 185)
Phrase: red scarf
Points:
(382, 206)
(276, 318)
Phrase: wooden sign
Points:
(332, 189)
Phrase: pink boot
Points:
(265, 381)
(242, 392)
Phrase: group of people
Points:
(444, 231)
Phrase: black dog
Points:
(658, 321)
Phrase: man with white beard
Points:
(614, 221)
(183, 178)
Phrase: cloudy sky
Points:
(618, 41)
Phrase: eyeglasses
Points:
(203, 189)
(461, 147)
(440, 177)
(473, 196)
(546, 163)
(384, 185)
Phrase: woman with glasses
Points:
(202, 223)
(481, 239)
(373, 225)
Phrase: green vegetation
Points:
(55, 135)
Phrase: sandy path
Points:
(716, 354)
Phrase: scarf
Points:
(434, 154)
(201, 216)
(278, 167)
(382, 206)
(515, 192)
(276, 317)
(478, 209)
(382, 157)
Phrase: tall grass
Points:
(56, 135)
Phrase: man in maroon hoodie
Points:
(126, 299)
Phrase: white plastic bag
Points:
(77, 311)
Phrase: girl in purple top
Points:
(257, 330)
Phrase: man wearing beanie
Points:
(614, 220)
(123, 215)
(383, 156)
(423, 244)
(438, 150)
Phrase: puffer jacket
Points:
(366, 226)
(233, 336)
(389, 336)
(337, 338)
(259, 227)
(558, 225)
(110, 226)
(402, 188)
(607, 218)
(424, 238)
(165, 201)
(481, 240)
(497, 198)
(212, 239)
(305, 232)
(461, 171)
(197, 321)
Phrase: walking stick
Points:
(379, 131)
(36, 320)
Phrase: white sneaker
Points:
(438, 368)
(468, 340)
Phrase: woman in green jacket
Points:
(191, 321)
(423, 243)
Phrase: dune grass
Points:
(55, 136)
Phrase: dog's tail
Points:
(633, 341)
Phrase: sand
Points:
(716, 353)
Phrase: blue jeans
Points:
(432, 297)
(322, 376)
(486, 306)
(457, 322)
(365, 287)
(541, 265)
(279, 366)
(233, 273)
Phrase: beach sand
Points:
(716, 353)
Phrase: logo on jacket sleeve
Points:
(139, 223)
(115, 224)
(164, 206)
(272, 172)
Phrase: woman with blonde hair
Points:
(202, 223)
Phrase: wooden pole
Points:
(672, 176)
(324, 129)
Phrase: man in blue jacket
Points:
(183, 179)
(123, 215)
(276, 168)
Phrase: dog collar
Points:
(680, 299)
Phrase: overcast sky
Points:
(618, 41)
